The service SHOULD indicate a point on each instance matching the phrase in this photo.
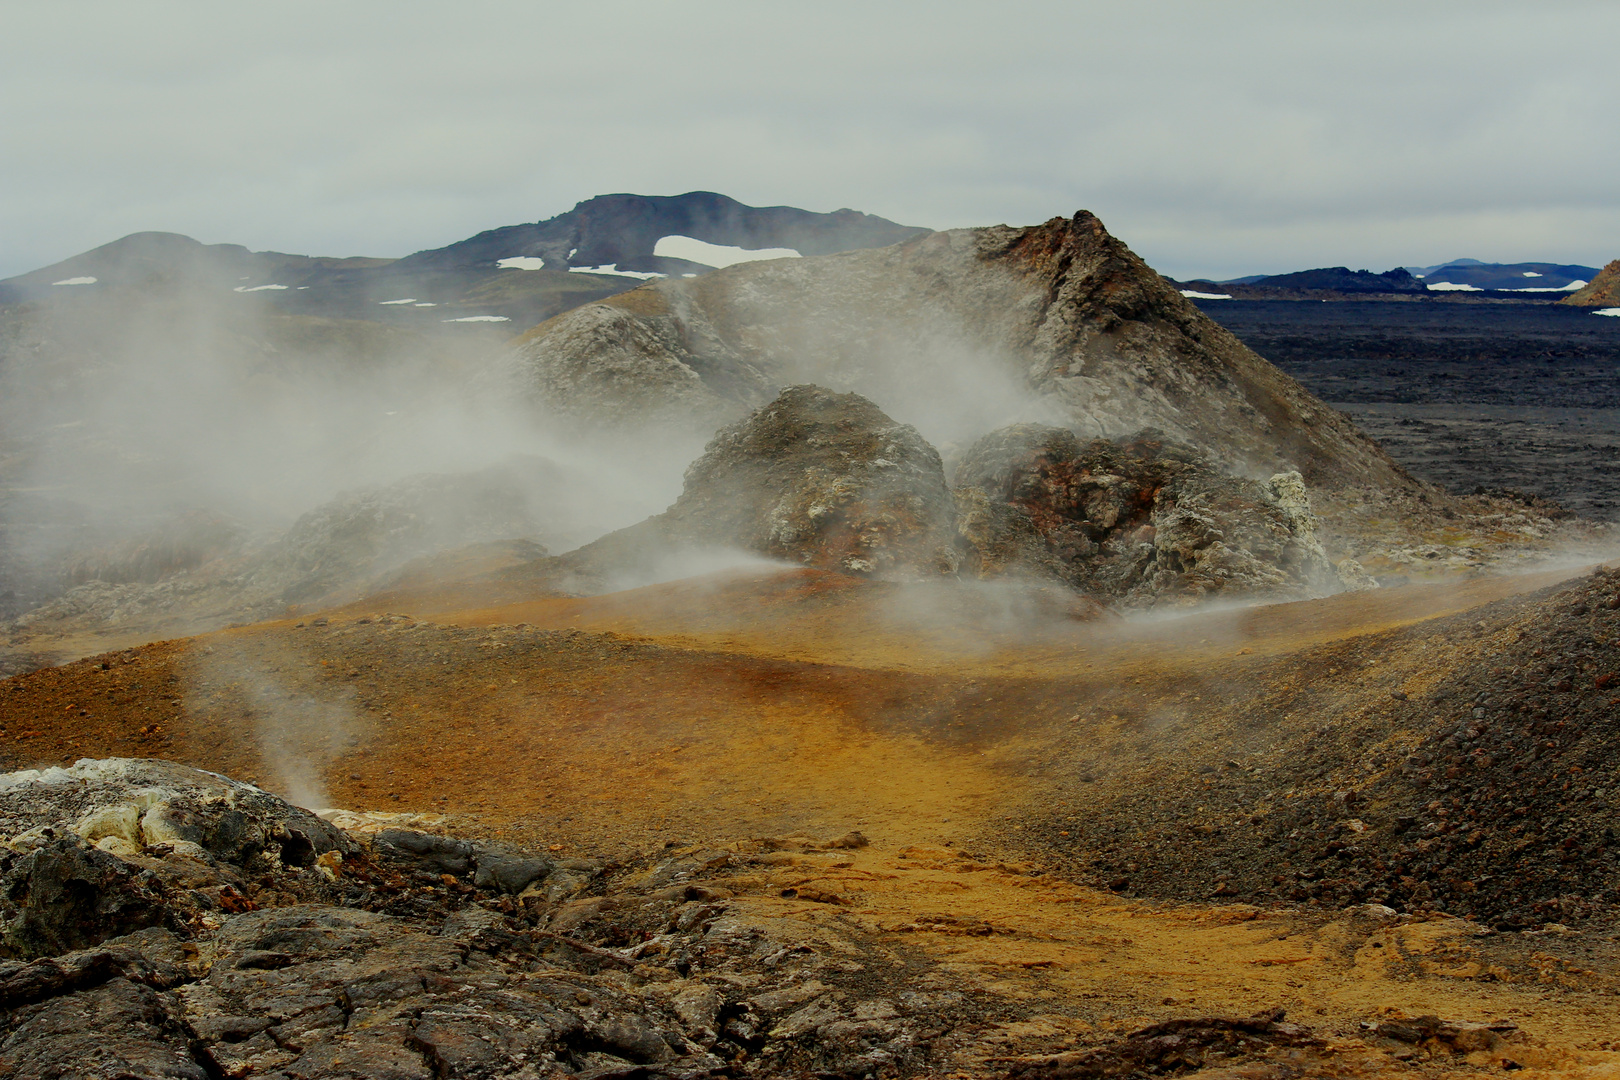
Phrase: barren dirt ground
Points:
(952, 727)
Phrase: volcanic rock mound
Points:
(824, 480)
(1139, 520)
(974, 327)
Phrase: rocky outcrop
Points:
(814, 478)
(407, 959)
(824, 480)
(1141, 521)
(966, 331)
(829, 481)
(1601, 291)
(111, 846)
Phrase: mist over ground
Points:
(211, 424)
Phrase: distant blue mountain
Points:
(1458, 275)
(1473, 274)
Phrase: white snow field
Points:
(257, 288)
(1571, 287)
(1193, 294)
(613, 269)
(76, 281)
(1607, 311)
(391, 303)
(1446, 286)
(522, 262)
(479, 318)
(716, 255)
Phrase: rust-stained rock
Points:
(1140, 520)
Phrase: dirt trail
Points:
(711, 711)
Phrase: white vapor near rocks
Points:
(162, 432)
(265, 698)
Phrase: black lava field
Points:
(1466, 394)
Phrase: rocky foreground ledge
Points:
(160, 921)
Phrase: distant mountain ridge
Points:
(1457, 276)
(1343, 279)
(548, 265)
(624, 230)
(1507, 277)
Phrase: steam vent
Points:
(680, 639)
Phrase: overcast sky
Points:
(1215, 139)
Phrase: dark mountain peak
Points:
(146, 260)
(137, 259)
(1471, 274)
(1343, 279)
(623, 230)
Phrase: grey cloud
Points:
(1216, 139)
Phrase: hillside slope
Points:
(958, 333)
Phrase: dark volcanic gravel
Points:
(1505, 808)
(1462, 393)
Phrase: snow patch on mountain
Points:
(613, 269)
(1571, 287)
(522, 262)
(716, 255)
